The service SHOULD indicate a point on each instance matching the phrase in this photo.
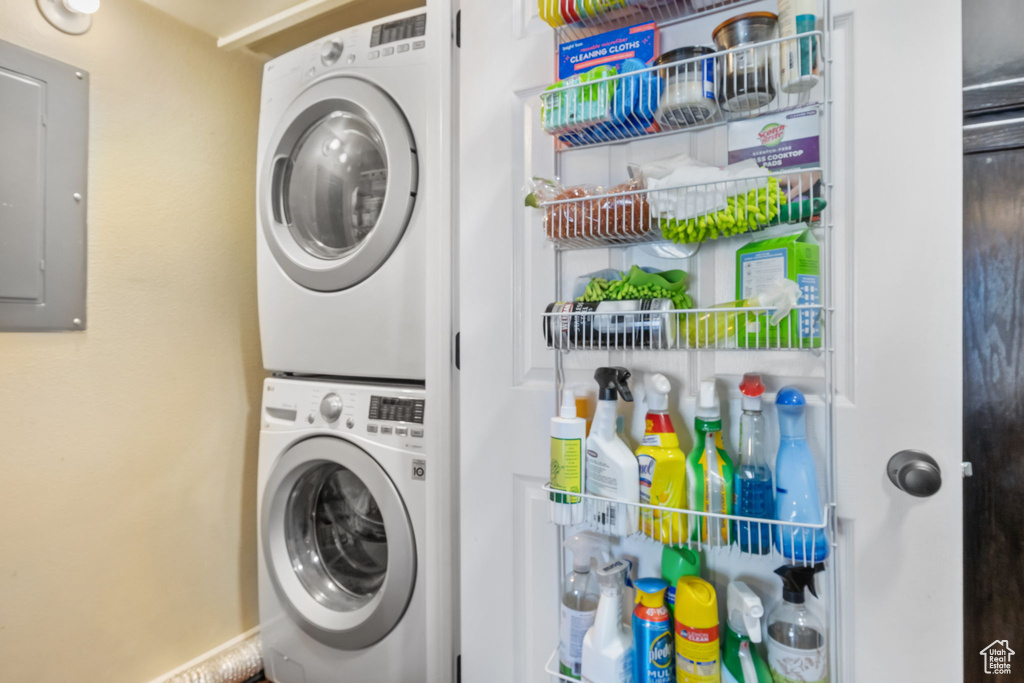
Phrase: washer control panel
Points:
(389, 415)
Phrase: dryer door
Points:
(339, 184)
(338, 542)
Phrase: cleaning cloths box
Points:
(610, 48)
(777, 141)
(759, 265)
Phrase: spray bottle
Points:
(568, 434)
(662, 466)
(579, 600)
(796, 484)
(709, 471)
(608, 645)
(796, 639)
(742, 663)
(753, 486)
(612, 469)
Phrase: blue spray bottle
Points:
(796, 484)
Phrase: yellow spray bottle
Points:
(662, 466)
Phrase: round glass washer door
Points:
(339, 184)
(338, 542)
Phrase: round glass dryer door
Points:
(339, 184)
(338, 542)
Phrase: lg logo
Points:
(419, 470)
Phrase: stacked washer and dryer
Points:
(343, 224)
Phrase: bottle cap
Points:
(657, 387)
(613, 574)
(790, 396)
(752, 387)
(568, 407)
(650, 592)
(796, 579)
(708, 407)
(745, 611)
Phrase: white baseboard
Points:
(207, 655)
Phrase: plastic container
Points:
(796, 484)
(797, 650)
(709, 471)
(677, 562)
(688, 96)
(580, 596)
(753, 487)
(800, 65)
(608, 645)
(746, 79)
(612, 470)
(568, 436)
(662, 466)
(741, 662)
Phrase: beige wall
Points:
(128, 451)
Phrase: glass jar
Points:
(688, 97)
(747, 81)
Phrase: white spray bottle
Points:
(608, 645)
(611, 470)
(579, 600)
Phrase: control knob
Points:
(330, 407)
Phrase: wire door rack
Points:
(653, 325)
(645, 210)
(648, 210)
(576, 19)
(602, 106)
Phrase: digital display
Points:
(396, 409)
(403, 29)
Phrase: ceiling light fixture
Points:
(69, 16)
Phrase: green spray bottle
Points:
(709, 471)
(741, 661)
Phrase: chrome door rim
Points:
(366, 625)
(345, 94)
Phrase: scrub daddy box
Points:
(759, 265)
(610, 48)
(777, 141)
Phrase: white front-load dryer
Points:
(342, 219)
(341, 513)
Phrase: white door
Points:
(895, 217)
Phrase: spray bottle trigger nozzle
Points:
(745, 606)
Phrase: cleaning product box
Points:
(610, 48)
(777, 141)
(794, 256)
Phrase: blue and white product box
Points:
(609, 48)
(777, 141)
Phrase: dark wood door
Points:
(993, 407)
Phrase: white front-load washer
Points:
(343, 222)
(341, 513)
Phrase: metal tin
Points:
(630, 324)
(747, 82)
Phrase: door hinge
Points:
(458, 668)
(966, 470)
(458, 350)
(458, 29)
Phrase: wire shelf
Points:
(593, 108)
(682, 213)
(576, 19)
(795, 543)
(653, 325)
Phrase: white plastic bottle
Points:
(568, 436)
(612, 470)
(800, 66)
(608, 645)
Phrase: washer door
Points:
(338, 542)
(339, 184)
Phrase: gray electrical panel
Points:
(44, 132)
